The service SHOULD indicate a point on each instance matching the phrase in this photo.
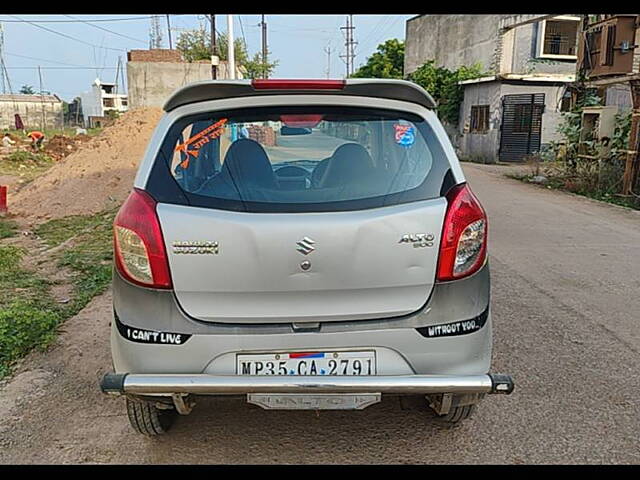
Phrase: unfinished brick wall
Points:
(154, 55)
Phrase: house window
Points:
(479, 119)
(558, 38)
(108, 102)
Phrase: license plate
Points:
(307, 363)
(319, 401)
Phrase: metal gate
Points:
(521, 129)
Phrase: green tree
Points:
(27, 90)
(195, 45)
(386, 62)
(442, 84)
(256, 69)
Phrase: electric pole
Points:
(214, 56)
(117, 72)
(353, 44)
(349, 44)
(264, 48)
(169, 32)
(155, 34)
(4, 87)
(231, 55)
(43, 122)
(328, 51)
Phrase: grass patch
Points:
(556, 183)
(89, 255)
(29, 315)
(26, 165)
(51, 132)
(8, 228)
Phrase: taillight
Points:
(463, 247)
(140, 255)
(287, 84)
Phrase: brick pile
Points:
(263, 135)
(155, 55)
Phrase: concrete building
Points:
(100, 100)
(530, 60)
(152, 75)
(36, 111)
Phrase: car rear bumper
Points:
(204, 384)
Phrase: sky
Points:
(72, 54)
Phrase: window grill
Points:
(479, 119)
(560, 37)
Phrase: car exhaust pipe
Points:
(203, 384)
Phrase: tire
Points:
(147, 419)
(456, 415)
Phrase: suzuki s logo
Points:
(418, 239)
(305, 246)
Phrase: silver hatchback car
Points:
(308, 244)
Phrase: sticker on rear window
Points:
(405, 135)
(192, 146)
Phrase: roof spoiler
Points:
(376, 88)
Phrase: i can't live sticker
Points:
(140, 335)
(405, 135)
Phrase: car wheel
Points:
(147, 419)
(456, 415)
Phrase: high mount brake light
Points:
(140, 256)
(262, 84)
(463, 247)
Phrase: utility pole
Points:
(4, 88)
(349, 44)
(124, 85)
(328, 51)
(155, 34)
(3, 68)
(169, 32)
(264, 48)
(214, 56)
(43, 122)
(231, 54)
(117, 72)
(353, 44)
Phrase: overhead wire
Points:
(108, 31)
(372, 32)
(242, 30)
(65, 68)
(67, 36)
(382, 34)
(41, 59)
(75, 21)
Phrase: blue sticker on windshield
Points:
(405, 135)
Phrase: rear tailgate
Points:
(359, 268)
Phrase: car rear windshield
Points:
(299, 159)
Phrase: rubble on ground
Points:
(97, 176)
(60, 146)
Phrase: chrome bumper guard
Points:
(203, 384)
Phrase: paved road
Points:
(566, 277)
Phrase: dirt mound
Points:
(99, 175)
(61, 146)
